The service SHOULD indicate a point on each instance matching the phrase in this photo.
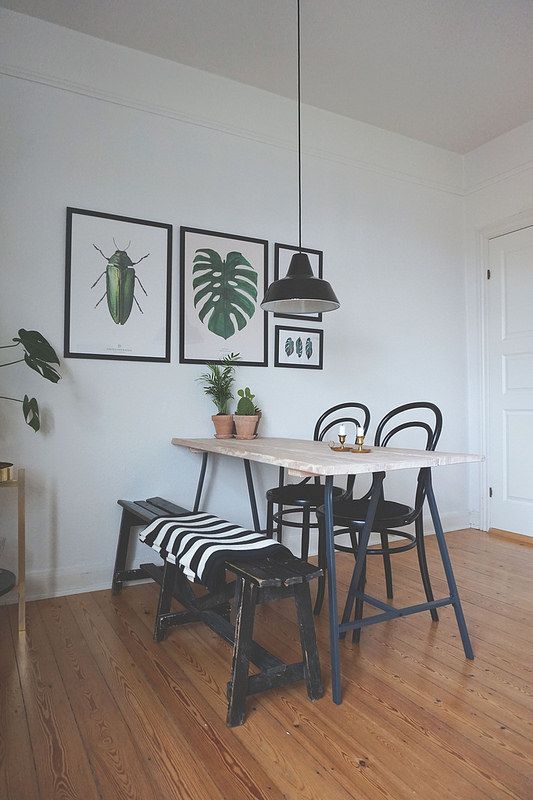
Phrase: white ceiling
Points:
(454, 73)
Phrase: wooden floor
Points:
(91, 708)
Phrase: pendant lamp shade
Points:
(300, 292)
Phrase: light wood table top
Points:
(305, 457)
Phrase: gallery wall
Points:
(97, 126)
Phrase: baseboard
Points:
(518, 538)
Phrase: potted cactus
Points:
(218, 385)
(246, 417)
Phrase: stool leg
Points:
(306, 520)
(165, 598)
(245, 600)
(323, 566)
(387, 565)
(423, 564)
(126, 523)
(279, 524)
(313, 678)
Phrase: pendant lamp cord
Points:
(299, 139)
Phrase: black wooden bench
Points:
(259, 582)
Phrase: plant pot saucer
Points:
(220, 436)
(246, 437)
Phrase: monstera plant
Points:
(225, 291)
(40, 356)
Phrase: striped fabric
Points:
(201, 543)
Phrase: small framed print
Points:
(282, 258)
(117, 287)
(223, 278)
(300, 348)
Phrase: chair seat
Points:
(388, 514)
(300, 494)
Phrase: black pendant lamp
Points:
(299, 292)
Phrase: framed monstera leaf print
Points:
(298, 347)
(223, 280)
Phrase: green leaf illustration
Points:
(225, 291)
(42, 368)
(289, 346)
(299, 347)
(308, 348)
(30, 409)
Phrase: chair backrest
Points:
(356, 414)
(390, 426)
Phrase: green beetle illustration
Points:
(120, 283)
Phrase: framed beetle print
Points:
(117, 287)
(223, 278)
(299, 348)
(282, 258)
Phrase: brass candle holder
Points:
(341, 448)
(359, 445)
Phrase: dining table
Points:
(314, 459)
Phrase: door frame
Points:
(508, 225)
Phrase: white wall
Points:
(498, 198)
(94, 125)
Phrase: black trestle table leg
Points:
(200, 485)
(251, 494)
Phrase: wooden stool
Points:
(256, 582)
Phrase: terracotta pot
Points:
(223, 426)
(245, 425)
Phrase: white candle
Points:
(342, 430)
(360, 431)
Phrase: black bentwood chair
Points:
(351, 514)
(305, 497)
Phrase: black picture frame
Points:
(296, 363)
(165, 293)
(316, 317)
(186, 309)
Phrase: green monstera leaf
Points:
(308, 348)
(299, 347)
(289, 346)
(225, 291)
(39, 354)
(30, 409)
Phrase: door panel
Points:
(510, 373)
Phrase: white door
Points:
(510, 366)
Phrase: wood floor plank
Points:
(159, 733)
(116, 760)
(15, 744)
(62, 765)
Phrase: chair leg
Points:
(321, 583)
(270, 519)
(423, 564)
(350, 599)
(279, 524)
(126, 522)
(313, 679)
(356, 634)
(165, 598)
(245, 600)
(387, 565)
(306, 521)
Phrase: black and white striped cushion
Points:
(201, 543)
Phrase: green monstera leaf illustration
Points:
(299, 347)
(30, 409)
(308, 348)
(289, 346)
(225, 291)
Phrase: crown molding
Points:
(72, 87)
(499, 177)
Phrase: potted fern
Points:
(246, 417)
(218, 385)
